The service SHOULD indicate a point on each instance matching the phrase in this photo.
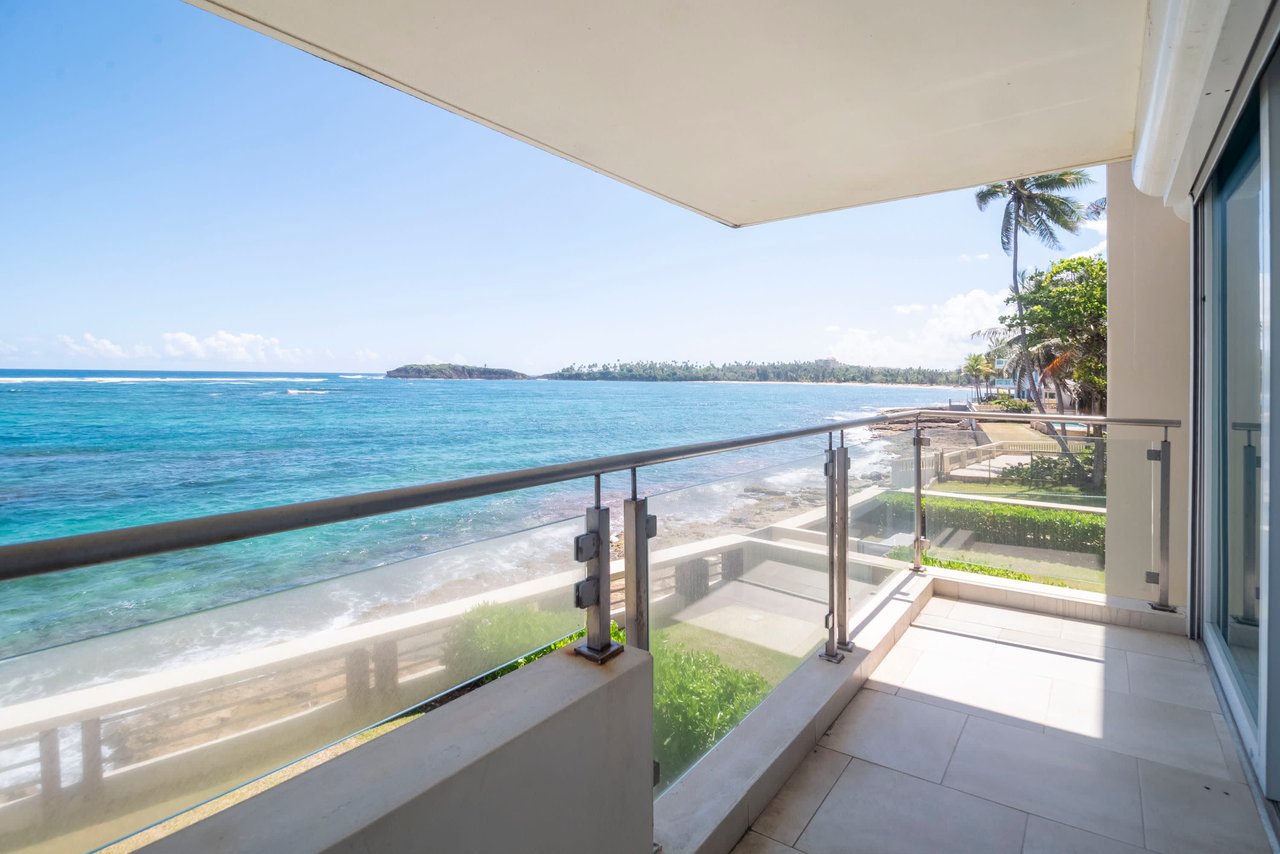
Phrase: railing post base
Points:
(592, 593)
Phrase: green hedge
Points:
(1005, 524)
(905, 553)
(697, 699)
(490, 635)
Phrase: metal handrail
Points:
(40, 557)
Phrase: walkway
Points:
(989, 729)
(1006, 431)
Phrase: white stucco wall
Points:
(1148, 366)
(555, 757)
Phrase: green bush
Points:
(1053, 469)
(697, 699)
(491, 635)
(1005, 524)
(1012, 404)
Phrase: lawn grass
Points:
(1023, 492)
(771, 665)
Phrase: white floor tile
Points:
(949, 642)
(1181, 682)
(755, 843)
(1139, 726)
(957, 627)
(979, 688)
(895, 669)
(1007, 618)
(1087, 787)
(879, 810)
(1123, 637)
(912, 737)
(1051, 837)
(799, 798)
(1094, 668)
(1189, 813)
(938, 606)
(1230, 753)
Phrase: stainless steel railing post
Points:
(919, 442)
(1164, 457)
(592, 593)
(638, 527)
(842, 547)
(829, 470)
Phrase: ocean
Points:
(88, 451)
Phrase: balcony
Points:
(1021, 732)
(752, 610)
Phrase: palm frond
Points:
(1008, 226)
(1035, 222)
(1096, 209)
(1056, 182)
(988, 194)
(1063, 212)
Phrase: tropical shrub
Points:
(1006, 524)
(697, 699)
(1012, 404)
(492, 634)
(1053, 469)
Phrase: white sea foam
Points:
(362, 376)
(101, 380)
(305, 391)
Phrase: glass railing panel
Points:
(1031, 510)
(102, 736)
(1035, 510)
(738, 592)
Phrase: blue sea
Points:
(88, 451)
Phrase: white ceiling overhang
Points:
(749, 111)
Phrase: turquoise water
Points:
(88, 451)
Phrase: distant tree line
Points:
(819, 371)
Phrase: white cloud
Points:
(364, 354)
(831, 328)
(909, 309)
(1100, 249)
(6, 347)
(223, 346)
(940, 338)
(92, 346)
(981, 256)
(1099, 227)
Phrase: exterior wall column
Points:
(1148, 375)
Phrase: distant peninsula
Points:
(816, 371)
(449, 371)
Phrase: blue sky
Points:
(182, 193)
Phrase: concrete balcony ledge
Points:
(553, 757)
(1057, 601)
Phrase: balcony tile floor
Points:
(988, 729)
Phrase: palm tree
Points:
(975, 367)
(1037, 206)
